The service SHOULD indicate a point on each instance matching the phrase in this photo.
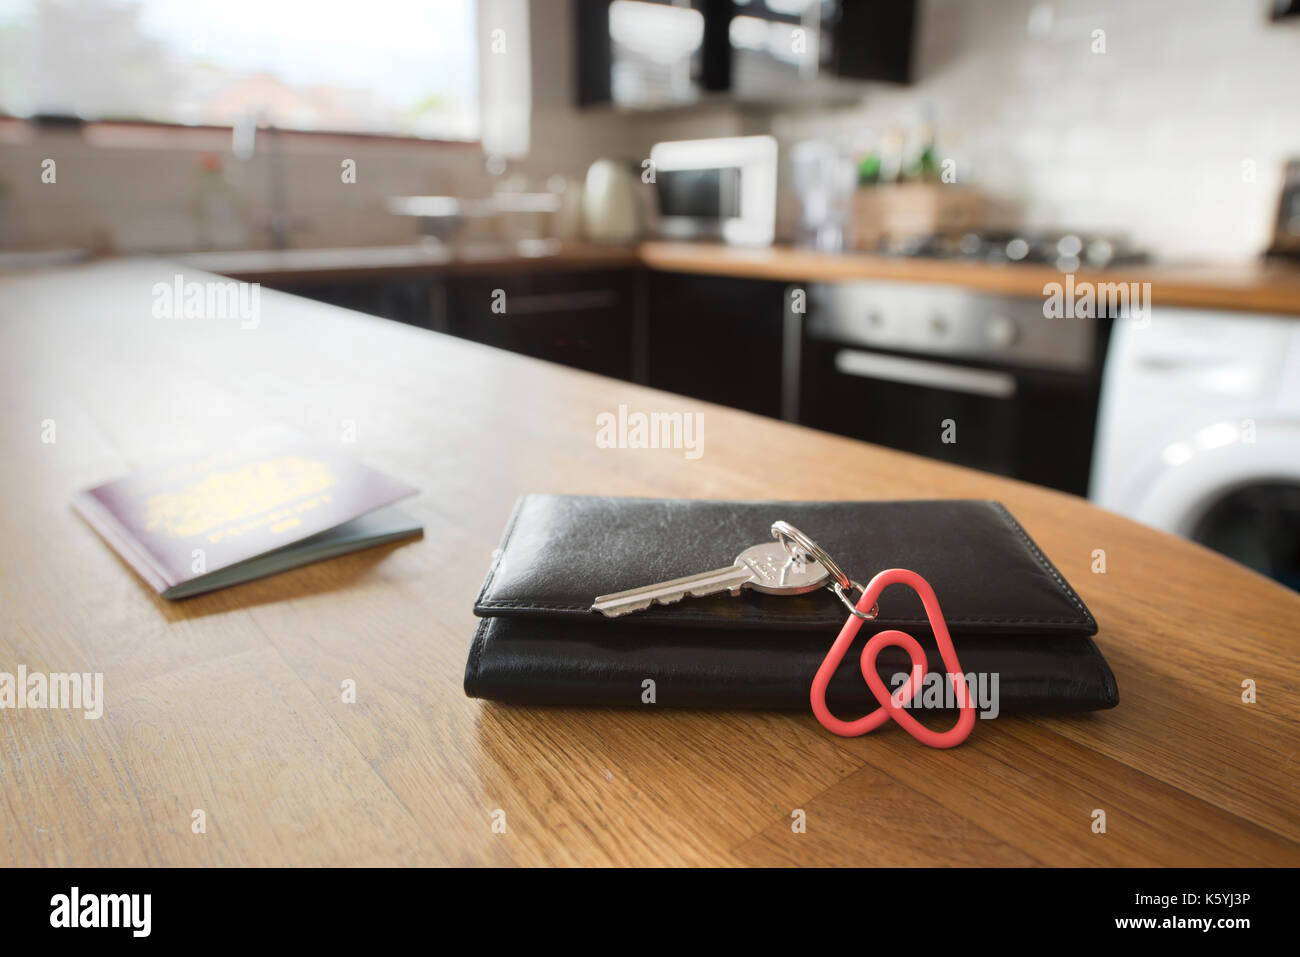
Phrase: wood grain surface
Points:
(231, 703)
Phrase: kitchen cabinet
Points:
(754, 54)
(584, 319)
(717, 338)
(404, 300)
(580, 319)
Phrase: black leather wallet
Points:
(1009, 611)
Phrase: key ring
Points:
(785, 533)
(893, 705)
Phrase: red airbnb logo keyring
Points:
(891, 706)
(894, 706)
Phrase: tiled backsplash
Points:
(133, 194)
(1175, 135)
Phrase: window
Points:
(404, 67)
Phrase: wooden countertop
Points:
(1260, 287)
(1252, 287)
(230, 702)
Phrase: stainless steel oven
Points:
(969, 378)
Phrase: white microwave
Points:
(717, 189)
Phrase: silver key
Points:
(767, 568)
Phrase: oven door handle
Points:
(934, 375)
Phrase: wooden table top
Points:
(231, 703)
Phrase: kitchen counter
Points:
(415, 260)
(1249, 287)
(230, 702)
(1252, 287)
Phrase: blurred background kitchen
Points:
(848, 215)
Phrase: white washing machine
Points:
(1198, 432)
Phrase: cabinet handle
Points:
(560, 302)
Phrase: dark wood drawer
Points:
(584, 320)
(717, 339)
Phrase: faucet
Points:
(244, 146)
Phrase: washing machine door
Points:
(1235, 487)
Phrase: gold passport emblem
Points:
(228, 500)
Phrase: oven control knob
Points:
(939, 326)
(1000, 331)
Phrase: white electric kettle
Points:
(611, 203)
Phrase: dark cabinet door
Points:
(403, 300)
(717, 339)
(584, 320)
(741, 50)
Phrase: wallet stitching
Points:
(1047, 565)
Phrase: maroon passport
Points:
(274, 501)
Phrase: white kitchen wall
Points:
(1176, 134)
